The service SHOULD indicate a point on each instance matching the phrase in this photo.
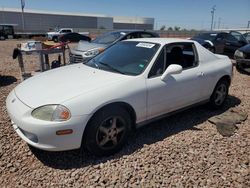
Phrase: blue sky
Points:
(184, 13)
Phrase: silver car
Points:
(87, 50)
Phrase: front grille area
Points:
(74, 58)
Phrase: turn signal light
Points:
(64, 132)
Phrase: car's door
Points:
(231, 44)
(178, 90)
(219, 43)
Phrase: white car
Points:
(97, 104)
(57, 33)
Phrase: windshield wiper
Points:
(112, 68)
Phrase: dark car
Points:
(242, 57)
(247, 36)
(87, 50)
(221, 42)
(73, 37)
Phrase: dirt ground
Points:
(184, 150)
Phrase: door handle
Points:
(227, 43)
(200, 74)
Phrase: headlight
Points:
(239, 54)
(93, 52)
(51, 113)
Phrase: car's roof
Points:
(213, 32)
(127, 31)
(161, 41)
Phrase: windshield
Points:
(128, 57)
(108, 38)
(207, 36)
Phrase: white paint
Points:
(84, 90)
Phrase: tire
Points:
(220, 94)
(107, 131)
(55, 39)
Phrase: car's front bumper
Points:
(243, 65)
(76, 56)
(42, 134)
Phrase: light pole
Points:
(212, 12)
(22, 6)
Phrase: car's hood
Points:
(85, 46)
(61, 84)
(245, 49)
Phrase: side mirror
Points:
(172, 69)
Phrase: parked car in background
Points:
(130, 84)
(221, 42)
(58, 32)
(247, 36)
(242, 57)
(87, 50)
(73, 37)
(6, 31)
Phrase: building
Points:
(42, 21)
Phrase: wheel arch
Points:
(121, 104)
(124, 105)
(227, 78)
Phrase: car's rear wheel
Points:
(55, 39)
(220, 94)
(107, 131)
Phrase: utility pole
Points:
(212, 13)
(22, 6)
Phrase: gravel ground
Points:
(184, 150)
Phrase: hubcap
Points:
(220, 94)
(110, 132)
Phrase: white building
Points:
(41, 21)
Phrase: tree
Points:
(163, 28)
(170, 29)
(176, 28)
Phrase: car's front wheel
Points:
(220, 94)
(107, 131)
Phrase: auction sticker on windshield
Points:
(145, 45)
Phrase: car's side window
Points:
(183, 54)
(145, 35)
(131, 36)
(231, 38)
(221, 36)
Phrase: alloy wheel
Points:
(110, 132)
(220, 94)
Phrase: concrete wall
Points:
(104, 23)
